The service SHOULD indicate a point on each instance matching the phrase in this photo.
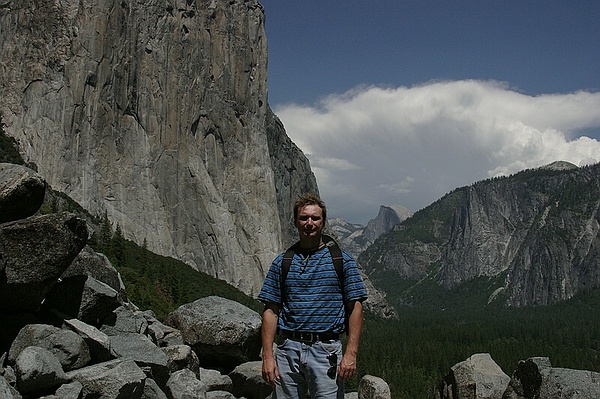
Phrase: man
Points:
(310, 309)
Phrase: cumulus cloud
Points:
(410, 146)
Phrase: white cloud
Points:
(409, 146)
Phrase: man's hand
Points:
(347, 367)
(270, 372)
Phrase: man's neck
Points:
(311, 244)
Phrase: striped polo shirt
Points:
(313, 299)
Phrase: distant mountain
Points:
(525, 240)
(355, 238)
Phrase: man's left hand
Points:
(347, 367)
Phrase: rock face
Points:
(355, 238)
(156, 113)
(535, 234)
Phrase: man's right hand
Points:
(270, 372)
(269, 328)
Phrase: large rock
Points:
(83, 298)
(91, 263)
(97, 341)
(182, 357)
(371, 387)
(51, 242)
(118, 379)
(68, 347)
(221, 332)
(38, 370)
(478, 377)
(146, 355)
(536, 378)
(156, 113)
(21, 192)
(184, 384)
(248, 381)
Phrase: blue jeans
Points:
(310, 368)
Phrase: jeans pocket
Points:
(331, 347)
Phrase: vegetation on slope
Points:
(157, 282)
(9, 150)
(413, 354)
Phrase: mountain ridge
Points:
(532, 235)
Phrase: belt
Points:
(309, 337)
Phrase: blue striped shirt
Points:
(313, 299)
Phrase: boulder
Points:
(97, 341)
(183, 384)
(51, 242)
(38, 370)
(248, 381)
(182, 357)
(145, 353)
(68, 347)
(215, 381)
(478, 377)
(124, 321)
(22, 192)
(91, 263)
(83, 298)
(152, 390)
(371, 387)
(536, 378)
(221, 332)
(219, 395)
(119, 378)
(7, 391)
(67, 391)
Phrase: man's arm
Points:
(268, 329)
(355, 320)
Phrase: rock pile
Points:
(69, 330)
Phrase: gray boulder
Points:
(221, 332)
(183, 384)
(124, 321)
(219, 395)
(91, 263)
(117, 379)
(97, 341)
(145, 353)
(22, 192)
(68, 347)
(371, 387)
(51, 242)
(182, 357)
(248, 381)
(67, 391)
(7, 391)
(215, 381)
(152, 390)
(477, 377)
(83, 298)
(536, 378)
(38, 370)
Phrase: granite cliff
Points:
(156, 115)
(528, 239)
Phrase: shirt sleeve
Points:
(271, 288)
(354, 286)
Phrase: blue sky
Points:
(399, 102)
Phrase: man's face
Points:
(310, 221)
